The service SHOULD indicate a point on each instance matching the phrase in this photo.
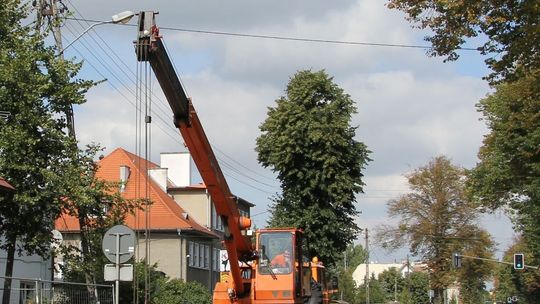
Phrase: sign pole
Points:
(118, 246)
(117, 291)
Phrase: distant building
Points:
(375, 269)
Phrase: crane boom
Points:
(149, 47)
(274, 271)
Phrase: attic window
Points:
(124, 177)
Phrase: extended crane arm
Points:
(149, 47)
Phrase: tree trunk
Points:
(9, 269)
(85, 252)
(439, 296)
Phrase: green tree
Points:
(36, 88)
(435, 219)
(98, 205)
(525, 284)
(177, 291)
(347, 290)
(507, 175)
(473, 274)
(353, 256)
(509, 26)
(307, 139)
(141, 271)
(392, 283)
(416, 289)
(376, 292)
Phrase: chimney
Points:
(124, 177)
(159, 175)
(179, 167)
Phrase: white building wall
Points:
(178, 168)
(359, 273)
(29, 267)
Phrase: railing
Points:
(37, 291)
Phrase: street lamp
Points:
(122, 18)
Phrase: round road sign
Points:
(125, 237)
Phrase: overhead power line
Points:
(285, 38)
(112, 65)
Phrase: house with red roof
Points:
(179, 224)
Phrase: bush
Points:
(177, 291)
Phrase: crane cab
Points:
(279, 274)
(279, 266)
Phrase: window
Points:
(277, 253)
(206, 257)
(199, 255)
(191, 254)
(216, 261)
(196, 256)
(244, 213)
(28, 292)
(216, 220)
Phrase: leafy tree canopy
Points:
(525, 284)
(307, 139)
(473, 274)
(353, 256)
(435, 219)
(508, 174)
(36, 88)
(98, 205)
(510, 26)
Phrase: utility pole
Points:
(366, 280)
(345, 267)
(57, 34)
(38, 5)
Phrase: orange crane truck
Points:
(271, 271)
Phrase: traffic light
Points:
(519, 261)
(457, 260)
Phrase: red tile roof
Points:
(5, 186)
(164, 213)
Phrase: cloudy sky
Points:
(410, 107)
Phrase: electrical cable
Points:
(176, 138)
(243, 166)
(285, 38)
(101, 61)
(126, 87)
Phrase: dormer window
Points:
(124, 177)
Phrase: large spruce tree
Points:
(308, 140)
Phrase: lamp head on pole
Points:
(123, 17)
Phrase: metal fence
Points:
(37, 291)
